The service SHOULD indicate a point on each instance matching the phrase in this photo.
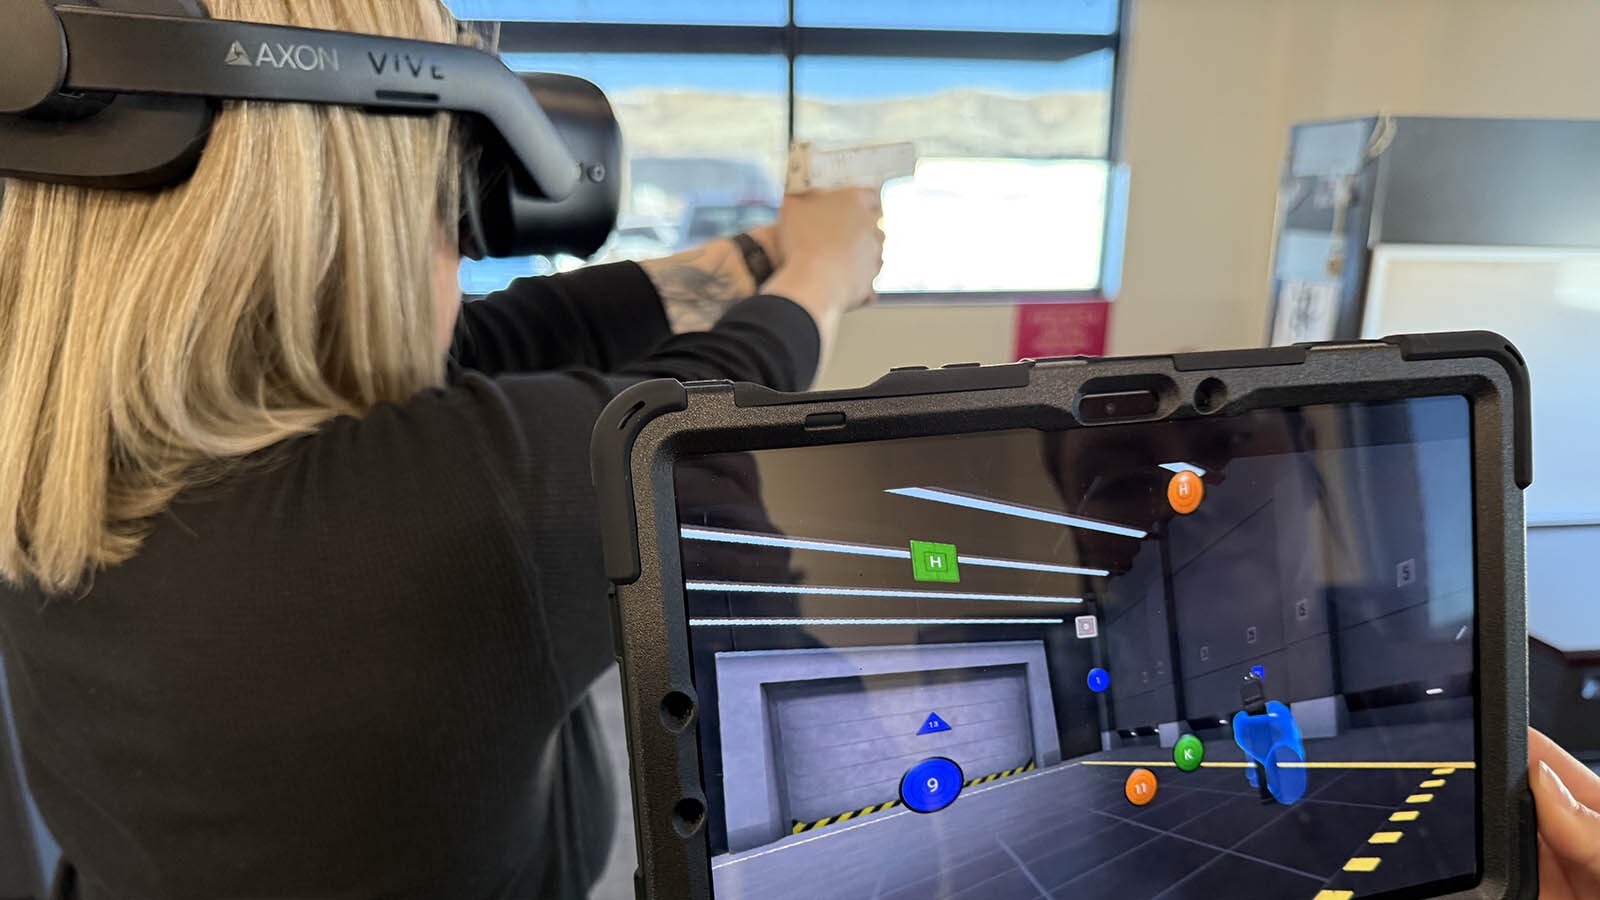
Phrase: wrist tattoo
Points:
(698, 286)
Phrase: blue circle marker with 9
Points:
(931, 785)
(1099, 680)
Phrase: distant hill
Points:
(954, 123)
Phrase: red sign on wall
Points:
(1062, 329)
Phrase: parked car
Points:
(674, 203)
(714, 197)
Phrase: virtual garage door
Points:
(843, 744)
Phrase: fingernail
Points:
(1550, 781)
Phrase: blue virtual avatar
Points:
(1267, 733)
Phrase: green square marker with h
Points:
(934, 562)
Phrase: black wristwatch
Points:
(755, 258)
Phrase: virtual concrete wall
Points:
(753, 807)
(1332, 591)
(1249, 580)
(845, 744)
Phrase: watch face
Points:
(755, 258)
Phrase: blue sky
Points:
(1095, 16)
(830, 78)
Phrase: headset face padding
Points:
(121, 94)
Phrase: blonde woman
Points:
(287, 609)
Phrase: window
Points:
(1010, 106)
(1037, 16)
(655, 12)
(707, 138)
(1011, 193)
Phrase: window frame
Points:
(792, 41)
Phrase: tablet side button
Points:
(616, 623)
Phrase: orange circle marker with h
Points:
(1185, 491)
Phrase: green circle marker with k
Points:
(1189, 753)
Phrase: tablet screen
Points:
(1222, 657)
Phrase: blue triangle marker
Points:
(934, 723)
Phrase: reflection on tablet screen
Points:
(1223, 657)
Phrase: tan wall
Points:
(1203, 132)
(1212, 88)
(878, 339)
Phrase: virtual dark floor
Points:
(1069, 832)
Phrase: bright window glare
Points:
(489, 275)
(1010, 195)
(994, 225)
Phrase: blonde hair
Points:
(152, 340)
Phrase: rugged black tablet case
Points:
(644, 431)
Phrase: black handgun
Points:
(1253, 697)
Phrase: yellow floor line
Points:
(1159, 763)
(1409, 815)
(1363, 864)
(1385, 837)
(1434, 783)
(1420, 798)
(1135, 763)
(1334, 895)
(1444, 771)
(1370, 765)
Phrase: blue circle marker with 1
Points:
(1099, 680)
(931, 785)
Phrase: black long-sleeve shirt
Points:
(350, 671)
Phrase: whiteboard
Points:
(1547, 301)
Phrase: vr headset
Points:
(121, 94)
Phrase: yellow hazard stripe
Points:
(802, 827)
(999, 775)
